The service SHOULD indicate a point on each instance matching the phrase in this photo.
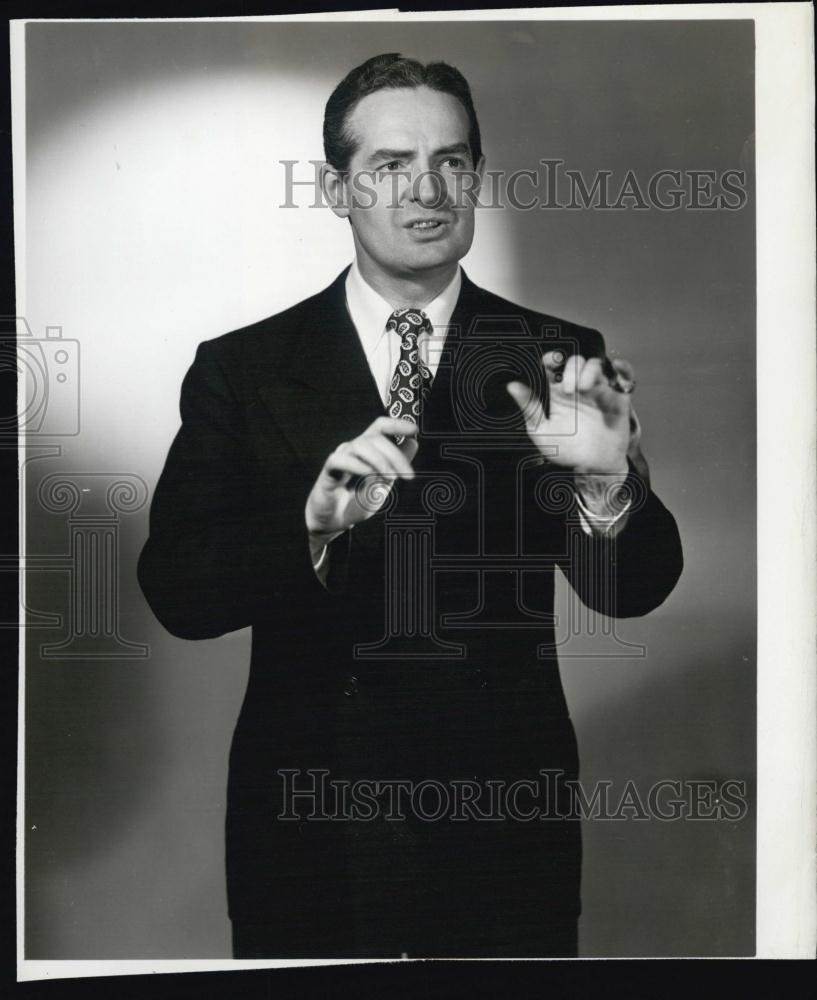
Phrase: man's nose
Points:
(429, 188)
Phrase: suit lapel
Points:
(325, 393)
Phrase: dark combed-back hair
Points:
(390, 70)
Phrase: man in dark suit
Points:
(380, 481)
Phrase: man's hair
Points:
(390, 70)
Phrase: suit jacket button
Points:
(350, 688)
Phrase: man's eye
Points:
(391, 165)
(454, 162)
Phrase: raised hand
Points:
(357, 477)
(588, 425)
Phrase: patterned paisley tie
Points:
(411, 382)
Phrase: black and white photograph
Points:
(395, 403)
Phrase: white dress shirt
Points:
(370, 313)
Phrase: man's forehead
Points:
(392, 117)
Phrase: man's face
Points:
(408, 183)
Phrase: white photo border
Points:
(786, 902)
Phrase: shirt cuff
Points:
(317, 564)
(320, 556)
(597, 524)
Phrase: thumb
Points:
(521, 393)
(526, 401)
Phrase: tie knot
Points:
(408, 324)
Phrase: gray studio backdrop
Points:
(153, 221)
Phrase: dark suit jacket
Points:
(467, 690)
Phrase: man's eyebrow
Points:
(390, 154)
(386, 155)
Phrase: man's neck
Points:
(401, 291)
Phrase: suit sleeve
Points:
(226, 541)
(634, 572)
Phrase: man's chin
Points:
(434, 258)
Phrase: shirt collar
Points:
(370, 311)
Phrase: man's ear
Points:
(334, 187)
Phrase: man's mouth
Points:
(427, 224)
